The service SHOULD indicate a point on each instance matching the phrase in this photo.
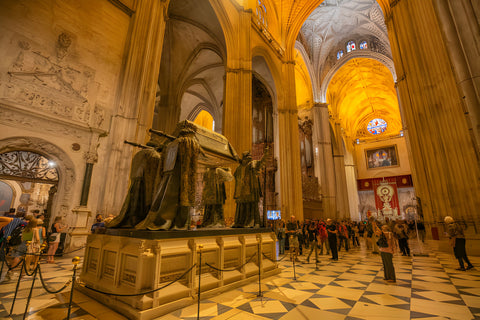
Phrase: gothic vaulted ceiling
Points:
(359, 88)
(360, 91)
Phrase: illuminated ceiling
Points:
(332, 24)
(361, 90)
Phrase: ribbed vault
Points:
(363, 89)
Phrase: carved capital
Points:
(91, 157)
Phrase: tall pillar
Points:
(135, 98)
(461, 33)
(444, 165)
(237, 108)
(340, 176)
(324, 167)
(289, 147)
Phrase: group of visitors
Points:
(26, 236)
(381, 238)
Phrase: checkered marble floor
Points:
(428, 287)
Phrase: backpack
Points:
(16, 236)
(382, 241)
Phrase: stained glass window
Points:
(261, 12)
(351, 46)
(363, 45)
(339, 54)
(377, 126)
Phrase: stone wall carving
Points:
(50, 86)
(18, 118)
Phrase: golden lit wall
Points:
(303, 86)
(205, 120)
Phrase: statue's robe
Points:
(145, 176)
(214, 196)
(176, 192)
(247, 194)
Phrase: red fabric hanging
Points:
(386, 195)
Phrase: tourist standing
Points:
(293, 239)
(386, 246)
(54, 238)
(332, 239)
(401, 232)
(323, 235)
(342, 236)
(457, 240)
(281, 236)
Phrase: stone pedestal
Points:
(133, 261)
(80, 232)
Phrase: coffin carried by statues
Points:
(165, 175)
(144, 273)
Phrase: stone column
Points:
(237, 108)
(78, 236)
(340, 176)
(445, 170)
(461, 33)
(135, 98)
(289, 147)
(324, 167)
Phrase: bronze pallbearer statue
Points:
(214, 196)
(248, 191)
(145, 175)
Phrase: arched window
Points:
(351, 46)
(261, 12)
(363, 45)
(205, 119)
(339, 54)
(377, 126)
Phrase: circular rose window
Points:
(377, 126)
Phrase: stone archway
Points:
(62, 203)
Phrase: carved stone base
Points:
(78, 237)
(130, 265)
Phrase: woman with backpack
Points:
(30, 234)
(386, 246)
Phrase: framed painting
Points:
(382, 157)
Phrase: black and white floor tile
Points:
(427, 288)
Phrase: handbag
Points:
(52, 237)
(382, 241)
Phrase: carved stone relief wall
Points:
(37, 82)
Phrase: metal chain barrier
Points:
(138, 294)
(233, 269)
(49, 255)
(268, 258)
(44, 284)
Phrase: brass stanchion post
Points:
(75, 262)
(4, 256)
(259, 270)
(200, 247)
(31, 290)
(293, 255)
(18, 281)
